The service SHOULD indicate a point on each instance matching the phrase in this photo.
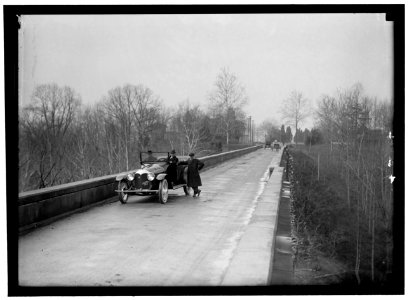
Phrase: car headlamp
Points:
(151, 176)
(130, 176)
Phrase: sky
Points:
(179, 56)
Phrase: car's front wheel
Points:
(163, 191)
(123, 197)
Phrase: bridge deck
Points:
(189, 241)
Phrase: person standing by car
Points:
(193, 177)
(172, 168)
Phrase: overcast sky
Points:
(179, 56)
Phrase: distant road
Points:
(187, 241)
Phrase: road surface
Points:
(186, 242)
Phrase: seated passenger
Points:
(151, 157)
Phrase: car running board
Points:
(137, 191)
(178, 186)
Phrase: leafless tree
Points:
(118, 109)
(360, 124)
(147, 112)
(87, 152)
(270, 130)
(45, 125)
(327, 119)
(189, 121)
(295, 109)
(227, 101)
(133, 113)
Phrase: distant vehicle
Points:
(276, 146)
(152, 178)
(267, 143)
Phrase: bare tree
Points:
(45, 123)
(326, 115)
(227, 101)
(189, 121)
(295, 109)
(360, 124)
(87, 152)
(147, 114)
(133, 113)
(270, 130)
(118, 109)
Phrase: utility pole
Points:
(249, 129)
(252, 132)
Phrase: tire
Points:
(123, 197)
(188, 190)
(163, 191)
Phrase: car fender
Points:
(120, 177)
(161, 176)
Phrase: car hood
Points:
(149, 168)
(154, 168)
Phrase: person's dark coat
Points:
(193, 177)
(173, 160)
(172, 169)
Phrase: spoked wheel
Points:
(123, 197)
(163, 191)
(188, 190)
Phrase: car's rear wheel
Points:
(163, 191)
(123, 197)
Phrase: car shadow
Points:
(133, 200)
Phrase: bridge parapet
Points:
(215, 159)
(46, 205)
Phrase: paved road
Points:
(186, 242)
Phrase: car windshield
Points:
(154, 157)
(183, 158)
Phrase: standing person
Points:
(193, 177)
(172, 168)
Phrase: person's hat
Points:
(173, 151)
(191, 154)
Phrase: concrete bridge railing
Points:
(46, 205)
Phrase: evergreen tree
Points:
(282, 134)
(289, 134)
(299, 136)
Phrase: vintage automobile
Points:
(276, 146)
(154, 177)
